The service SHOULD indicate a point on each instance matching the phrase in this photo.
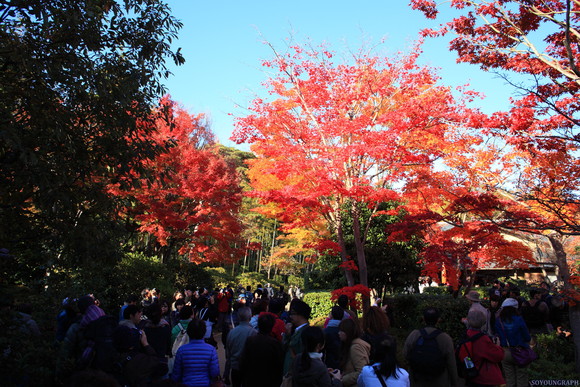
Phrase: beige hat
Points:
(473, 296)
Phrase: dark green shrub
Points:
(189, 274)
(220, 278)
(436, 290)
(408, 312)
(556, 359)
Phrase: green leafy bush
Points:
(220, 278)
(252, 278)
(556, 359)
(408, 312)
(320, 303)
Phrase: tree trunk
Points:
(564, 278)
(344, 257)
(561, 259)
(166, 252)
(360, 253)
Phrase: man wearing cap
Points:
(473, 298)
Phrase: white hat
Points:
(510, 302)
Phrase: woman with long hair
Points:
(512, 332)
(375, 326)
(386, 372)
(308, 369)
(355, 351)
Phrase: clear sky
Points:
(222, 42)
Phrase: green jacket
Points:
(292, 346)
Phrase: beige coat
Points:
(358, 357)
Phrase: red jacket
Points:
(279, 327)
(486, 356)
(224, 302)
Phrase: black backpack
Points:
(99, 352)
(426, 358)
(463, 370)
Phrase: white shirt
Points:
(368, 378)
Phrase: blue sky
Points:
(222, 42)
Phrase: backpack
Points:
(181, 339)
(463, 370)
(99, 352)
(426, 358)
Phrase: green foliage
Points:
(320, 303)
(295, 280)
(77, 77)
(251, 278)
(556, 359)
(326, 274)
(27, 360)
(408, 312)
(436, 290)
(189, 274)
(219, 276)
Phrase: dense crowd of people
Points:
(268, 341)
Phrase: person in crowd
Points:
(185, 317)
(308, 369)
(235, 345)
(275, 308)
(269, 290)
(331, 337)
(165, 312)
(249, 296)
(158, 331)
(188, 296)
(387, 369)
(512, 332)
(196, 363)
(485, 355)
(536, 313)
(355, 351)
(422, 377)
(375, 326)
(132, 317)
(299, 316)
(343, 302)
(260, 305)
(145, 297)
(281, 294)
(207, 311)
(139, 366)
(261, 363)
(132, 299)
(495, 290)
(65, 318)
(174, 315)
(559, 315)
(177, 295)
(27, 325)
(224, 308)
(494, 308)
(473, 298)
(155, 296)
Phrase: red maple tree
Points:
(539, 41)
(190, 199)
(339, 137)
